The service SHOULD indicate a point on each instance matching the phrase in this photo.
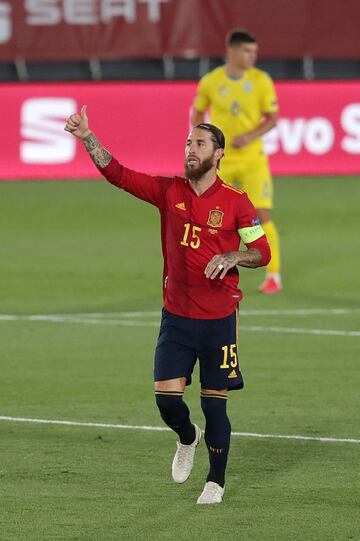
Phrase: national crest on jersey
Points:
(215, 218)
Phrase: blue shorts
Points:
(213, 341)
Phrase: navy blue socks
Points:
(176, 415)
(217, 434)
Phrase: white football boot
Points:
(212, 493)
(184, 458)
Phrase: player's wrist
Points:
(235, 258)
(85, 134)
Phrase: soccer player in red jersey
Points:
(202, 222)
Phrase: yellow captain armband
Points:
(249, 234)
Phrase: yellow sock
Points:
(273, 240)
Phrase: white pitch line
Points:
(153, 324)
(324, 439)
(80, 423)
(296, 330)
(250, 312)
(118, 314)
(301, 312)
(75, 319)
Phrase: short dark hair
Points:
(238, 36)
(218, 138)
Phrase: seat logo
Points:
(44, 140)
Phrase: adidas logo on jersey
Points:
(180, 206)
(232, 374)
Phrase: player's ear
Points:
(219, 153)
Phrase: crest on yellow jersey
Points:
(215, 218)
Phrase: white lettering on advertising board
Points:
(5, 22)
(89, 12)
(42, 129)
(350, 122)
(315, 135)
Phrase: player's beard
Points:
(196, 173)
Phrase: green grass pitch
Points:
(85, 248)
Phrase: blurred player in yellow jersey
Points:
(240, 99)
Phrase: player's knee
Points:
(213, 406)
(168, 405)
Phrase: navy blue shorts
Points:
(213, 341)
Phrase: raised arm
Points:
(146, 187)
(78, 125)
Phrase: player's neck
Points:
(233, 71)
(204, 183)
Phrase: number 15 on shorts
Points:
(230, 356)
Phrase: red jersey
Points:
(194, 229)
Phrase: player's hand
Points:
(220, 264)
(240, 141)
(78, 124)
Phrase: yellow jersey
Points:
(236, 106)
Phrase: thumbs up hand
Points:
(78, 125)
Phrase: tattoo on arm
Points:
(99, 155)
(251, 258)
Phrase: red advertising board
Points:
(83, 29)
(145, 126)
